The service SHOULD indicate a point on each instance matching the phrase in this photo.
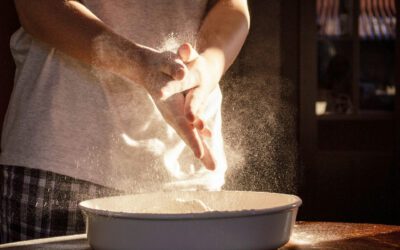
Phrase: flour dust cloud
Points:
(260, 133)
(259, 130)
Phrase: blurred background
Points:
(310, 105)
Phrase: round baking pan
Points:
(191, 220)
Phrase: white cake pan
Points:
(180, 220)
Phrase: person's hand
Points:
(172, 110)
(164, 69)
(155, 69)
(199, 82)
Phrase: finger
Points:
(174, 68)
(187, 53)
(193, 101)
(192, 138)
(199, 124)
(208, 159)
(195, 144)
(206, 132)
(201, 127)
(174, 87)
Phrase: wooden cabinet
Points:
(350, 156)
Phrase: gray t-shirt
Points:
(73, 119)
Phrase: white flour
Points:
(179, 206)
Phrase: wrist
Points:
(133, 63)
(215, 61)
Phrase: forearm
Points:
(223, 33)
(73, 29)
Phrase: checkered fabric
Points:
(39, 204)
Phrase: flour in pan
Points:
(179, 206)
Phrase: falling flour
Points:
(179, 206)
(259, 128)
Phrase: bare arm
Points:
(223, 33)
(70, 27)
(219, 41)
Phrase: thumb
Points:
(174, 67)
(187, 53)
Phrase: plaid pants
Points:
(39, 204)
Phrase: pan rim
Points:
(194, 216)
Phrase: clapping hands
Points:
(179, 90)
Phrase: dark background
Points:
(344, 170)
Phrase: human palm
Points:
(166, 69)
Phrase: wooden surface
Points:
(306, 235)
(330, 235)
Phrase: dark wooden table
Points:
(332, 235)
(306, 235)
